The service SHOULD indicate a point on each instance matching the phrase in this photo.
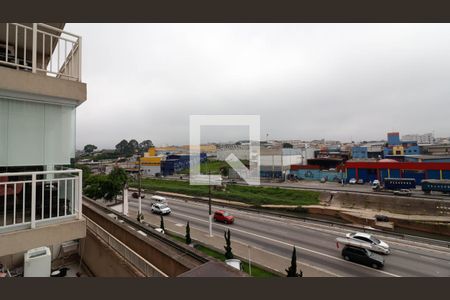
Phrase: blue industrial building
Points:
(359, 152)
(176, 162)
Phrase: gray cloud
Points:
(307, 81)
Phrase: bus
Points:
(399, 183)
(436, 185)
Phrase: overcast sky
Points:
(306, 81)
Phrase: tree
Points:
(95, 186)
(228, 253)
(86, 172)
(161, 224)
(292, 270)
(122, 147)
(188, 234)
(106, 186)
(132, 148)
(287, 145)
(118, 178)
(89, 148)
(144, 146)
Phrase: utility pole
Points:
(209, 201)
(249, 262)
(139, 189)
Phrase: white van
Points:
(158, 199)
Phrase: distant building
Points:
(359, 152)
(421, 139)
(396, 147)
(389, 168)
(150, 162)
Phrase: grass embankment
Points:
(215, 166)
(247, 194)
(256, 271)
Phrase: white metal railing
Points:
(50, 50)
(131, 256)
(30, 199)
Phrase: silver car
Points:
(375, 244)
(161, 208)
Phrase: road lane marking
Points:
(286, 244)
(331, 231)
(326, 229)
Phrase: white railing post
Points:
(80, 194)
(34, 49)
(33, 200)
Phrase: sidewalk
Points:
(241, 250)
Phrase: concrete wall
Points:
(103, 261)
(36, 86)
(23, 240)
(400, 205)
(171, 261)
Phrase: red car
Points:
(223, 216)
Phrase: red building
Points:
(389, 168)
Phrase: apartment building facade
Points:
(40, 90)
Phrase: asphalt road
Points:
(315, 242)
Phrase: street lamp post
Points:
(209, 202)
(249, 262)
(139, 187)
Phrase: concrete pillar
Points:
(125, 201)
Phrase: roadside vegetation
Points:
(256, 271)
(248, 194)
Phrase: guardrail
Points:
(147, 268)
(149, 230)
(30, 199)
(41, 48)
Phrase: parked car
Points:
(360, 181)
(223, 216)
(363, 256)
(352, 181)
(381, 218)
(376, 244)
(161, 208)
(323, 180)
(402, 192)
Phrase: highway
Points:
(315, 242)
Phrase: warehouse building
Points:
(175, 163)
(389, 168)
(312, 172)
(276, 163)
(150, 163)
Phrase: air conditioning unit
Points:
(37, 262)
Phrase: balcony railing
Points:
(41, 49)
(34, 199)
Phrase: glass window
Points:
(34, 134)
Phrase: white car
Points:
(376, 244)
(161, 208)
(352, 181)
